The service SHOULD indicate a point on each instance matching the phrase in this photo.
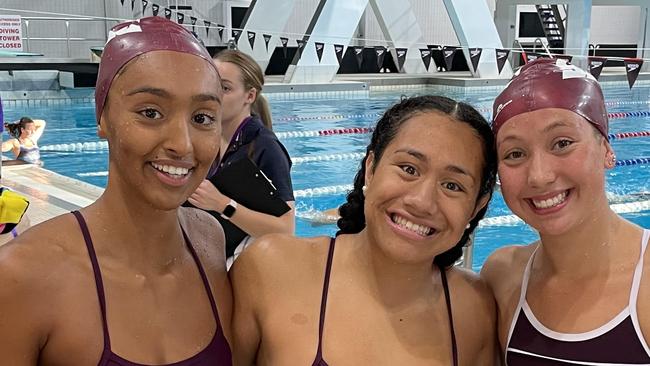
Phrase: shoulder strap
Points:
(323, 304)
(445, 287)
(98, 275)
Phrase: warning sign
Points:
(11, 34)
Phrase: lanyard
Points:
(232, 146)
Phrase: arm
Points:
(21, 330)
(40, 128)
(12, 145)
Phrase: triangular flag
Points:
(425, 53)
(502, 57)
(251, 39)
(401, 57)
(180, 18)
(358, 52)
(168, 13)
(632, 68)
(448, 52)
(207, 24)
(381, 53)
(236, 33)
(596, 65)
(220, 28)
(319, 50)
(122, 1)
(338, 49)
(475, 57)
(132, 5)
(154, 9)
(301, 45)
(144, 5)
(267, 39)
(284, 41)
(532, 56)
(193, 22)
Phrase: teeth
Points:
(551, 202)
(172, 170)
(411, 226)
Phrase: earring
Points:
(363, 189)
(467, 226)
(613, 159)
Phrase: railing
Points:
(67, 21)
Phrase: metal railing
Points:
(68, 22)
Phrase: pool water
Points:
(325, 166)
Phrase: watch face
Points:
(228, 211)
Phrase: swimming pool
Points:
(326, 137)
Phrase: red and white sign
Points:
(11, 33)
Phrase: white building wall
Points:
(614, 24)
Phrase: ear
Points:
(101, 128)
(480, 204)
(370, 161)
(610, 156)
(251, 95)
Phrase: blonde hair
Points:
(252, 77)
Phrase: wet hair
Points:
(352, 218)
(252, 77)
(16, 128)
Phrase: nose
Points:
(540, 171)
(178, 139)
(421, 199)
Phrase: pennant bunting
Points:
(207, 24)
(358, 52)
(502, 57)
(301, 46)
(154, 9)
(251, 38)
(401, 57)
(132, 5)
(284, 41)
(236, 33)
(168, 13)
(380, 51)
(122, 1)
(220, 28)
(267, 39)
(532, 56)
(448, 52)
(632, 68)
(144, 5)
(180, 17)
(319, 50)
(596, 65)
(193, 22)
(567, 58)
(425, 54)
(338, 50)
(475, 57)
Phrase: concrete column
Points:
(401, 29)
(644, 37)
(576, 41)
(334, 22)
(472, 21)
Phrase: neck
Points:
(394, 283)
(228, 127)
(585, 250)
(141, 237)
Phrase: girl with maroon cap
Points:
(580, 294)
(131, 279)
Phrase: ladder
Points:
(553, 25)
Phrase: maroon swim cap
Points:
(551, 83)
(133, 38)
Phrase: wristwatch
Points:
(230, 209)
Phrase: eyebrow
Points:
(203, 97)
(552, 126)
(450, 168)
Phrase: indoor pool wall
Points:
(326, 134)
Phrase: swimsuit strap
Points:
(204, 278)
(445, 287)
(323, 304)
(98, 275)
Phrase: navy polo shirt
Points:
(262, 147)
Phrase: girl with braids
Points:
(246, 133)
(24, 143)
(389, 293)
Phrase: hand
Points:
(208, 197)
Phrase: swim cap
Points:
(551, 83)
(133, 38)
